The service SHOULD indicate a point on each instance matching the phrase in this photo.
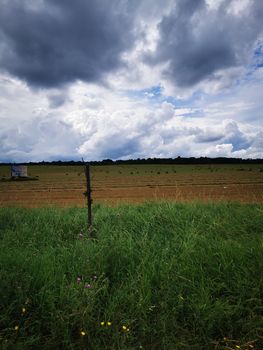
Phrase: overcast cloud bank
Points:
(122, 80)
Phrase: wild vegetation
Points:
(159, 276)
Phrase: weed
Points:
(160, 276)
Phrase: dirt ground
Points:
(64, 185)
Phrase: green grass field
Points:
(159, 276)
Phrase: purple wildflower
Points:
(87, 285)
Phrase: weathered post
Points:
(89, 201)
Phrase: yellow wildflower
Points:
(16, 328)
(23, 310)
(237, 346)
(125, 329)
(109, 323)
(82, 333)
(102, 323)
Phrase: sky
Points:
(125, 79)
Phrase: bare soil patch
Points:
(64, 185)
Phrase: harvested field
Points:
(64, 185)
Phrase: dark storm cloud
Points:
(234, 136)
(196, 41)
(117, 150)
(57, 100)
(49, 43)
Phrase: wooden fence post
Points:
(89, 201)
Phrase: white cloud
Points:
(236, 7)
(97, 123)
(122, 117)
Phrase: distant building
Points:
(18, 171)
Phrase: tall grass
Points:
(166, 276)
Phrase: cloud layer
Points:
(124, 79)
(49, 43)
(96, 123)
(197, 40)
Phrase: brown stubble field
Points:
(64, 185)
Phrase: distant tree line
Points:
(178, 160)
